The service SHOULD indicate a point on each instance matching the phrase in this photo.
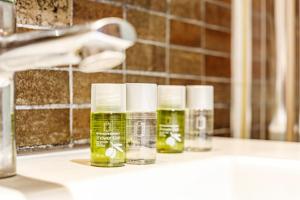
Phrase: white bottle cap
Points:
(108, 97)
(171, 97)
(200, 97)
(141, 97)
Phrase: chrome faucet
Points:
(91, 47)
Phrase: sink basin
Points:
(226, 178)
(236, 170)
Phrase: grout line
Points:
(203, 39)
(119, 4)
(113, 71)
(186, 48)
(221, 106)
(167, 43)
(152, 42)
(146, 73)
(217, 105)
(42, 107)
(70, 70)
(124, 64)
(218, 3)
(200, 23)
(71, 103)
(164, 74)
(221, 131)
(263, 71)
(201, 50)
(81, 106)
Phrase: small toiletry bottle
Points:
(170, 119)
(141, 123)
(199, 120)
(107, 135)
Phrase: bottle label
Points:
(141, 132)
(170, 135)
(108, 137)
(171, 132)
(201, 122)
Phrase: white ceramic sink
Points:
(226, 178)
(220, 174)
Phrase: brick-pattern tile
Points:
(221, 118)
(81, 124)
(217, 40)
(87, 11)
(185, 34)
(221, 92)
(183, 62)
(146, 58)
(186, 8)
(217, 66)
(42, 127)
(148, 26)
(51, 13)
(43, 87)
(82, 84)
(217, 15)
(39, 87)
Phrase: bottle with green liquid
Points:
(170, 119)
(108, 125)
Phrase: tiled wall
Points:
(179, 42)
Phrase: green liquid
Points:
(170, 131)
(108, 139)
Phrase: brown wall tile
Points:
(148, 26)
(216, 40)
(39, 87)
(183, 62)
(256, 93)
(221, 118)
(145, 79)
(185, 34)
(81, 124)
(44, 13)
(186, 8)
(157, 5)
(255, 115)
(42, 127)
(146, 57)
(221, 92)
(217, 15)
(217, 66)
(87, 11)
(82, 84)
(256, 5)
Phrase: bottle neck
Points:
(7, 17)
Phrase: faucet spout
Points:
(93, 47)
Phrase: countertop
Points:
(55, 174)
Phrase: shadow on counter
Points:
(35, 189)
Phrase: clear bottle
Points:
(141, 123)
(108, 121)
(199, 118)
(170, 119)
